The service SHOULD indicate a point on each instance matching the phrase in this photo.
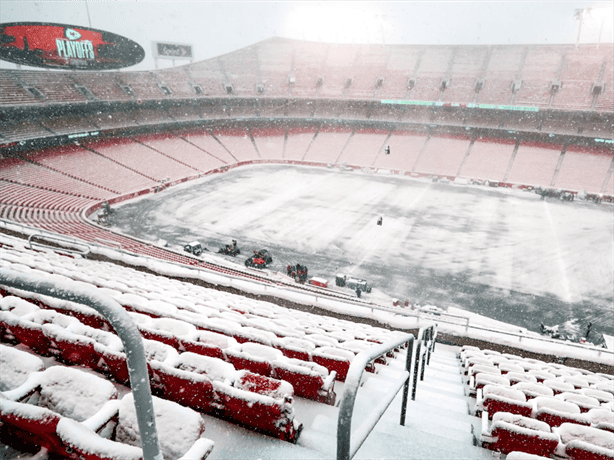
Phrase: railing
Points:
(127, 332)
(422, 352)
(345, 448)
(59, 244)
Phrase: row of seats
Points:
(127, 165)
(35, 175)
(76, 414)
(281, 67)
(202, 383)
(171, 310)
(252, 342)
(540, 408)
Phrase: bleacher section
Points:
(92, 167)
(489, 159)
(442, 155)
(240, 367)
(142, 159)
(35, 175)
(533, 168)
(238, 142)
(544, 409)
(269, 142)
(585, 168)
(363, 147)
(181, 150)
(405, 147)
(283, 67)
(233, 367)
(298, 142)
(327, 145)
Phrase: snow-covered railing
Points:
(345, 449)
(59, 244)
(425, 345)
(126, 330)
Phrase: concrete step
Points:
(438, 425)
(415, 445)
(232, 441)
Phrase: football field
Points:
(503, 253)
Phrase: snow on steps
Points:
(438, 425)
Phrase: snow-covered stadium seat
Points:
(555, 411)
(579, 442)
(497, 398)
(32, 411)
(512, 432)
(113, 433)
(15, 367)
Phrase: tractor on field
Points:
(230, 249)
(356, 284)
(194, 248)
(260, 259)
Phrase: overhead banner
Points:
(63, 46)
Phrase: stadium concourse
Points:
(249, 364)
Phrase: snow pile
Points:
(483, 379)
(322, 340)
(159, 351)
(533, 390)
(257, 350)
(597, 416)
(586, 438)
(601, 395)
(558, 386)
(174, 327)
(82, 439)
(178, 427)
(541, 375)
(524, 456)
(515, 377)
(213, 338)
(17, 306)
(16, 366)
(554, 405)
(506, 419)
(503, 392)
(334, 353)
(107, 339)
(297, 343)
(73, 393)
(214, 368)
(576, 381)
(510, 367)
(581, 400)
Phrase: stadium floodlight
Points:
(579, 15)
(597, 14)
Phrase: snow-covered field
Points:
(501, 253)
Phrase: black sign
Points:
(63, 46)
(173, 51)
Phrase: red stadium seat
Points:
(510, 432)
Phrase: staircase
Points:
(438, 425)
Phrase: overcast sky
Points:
(216, 28)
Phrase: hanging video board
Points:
(63, 46)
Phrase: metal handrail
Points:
(59, 241)
(127, 332)
(427, 337)
(345, 449)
